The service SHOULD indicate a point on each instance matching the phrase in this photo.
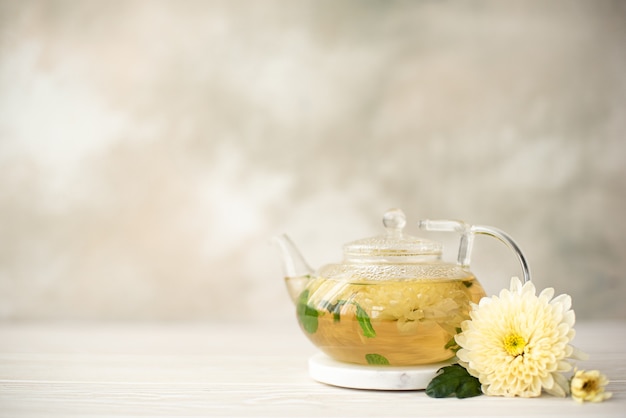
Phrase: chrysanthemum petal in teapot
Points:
(392, 300)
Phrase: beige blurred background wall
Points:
(149, 149)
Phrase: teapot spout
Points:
(297, 271)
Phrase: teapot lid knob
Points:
(394, 220)
(393, 246)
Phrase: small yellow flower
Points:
(518, 343)
(589, 386)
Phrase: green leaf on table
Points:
(376, 359)
(306, 314)
(453, 380)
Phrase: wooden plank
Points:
(234, 370)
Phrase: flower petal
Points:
(560, 387)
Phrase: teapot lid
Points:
(393, 246)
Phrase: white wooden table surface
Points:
(234, 370)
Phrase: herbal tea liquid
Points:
(403, 322)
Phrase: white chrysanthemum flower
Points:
(518, 343)
(588, 386)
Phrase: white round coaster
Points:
(356, 376)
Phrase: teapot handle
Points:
(467, 239)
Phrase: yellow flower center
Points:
(514, 344)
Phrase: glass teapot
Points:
(392, 300)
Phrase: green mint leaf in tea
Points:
(376, 359)
(306, 314)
